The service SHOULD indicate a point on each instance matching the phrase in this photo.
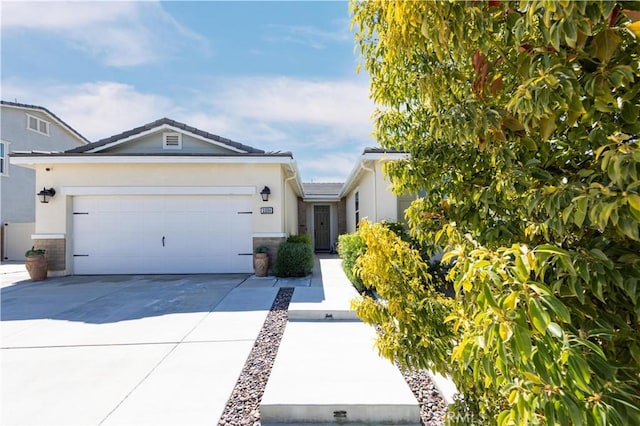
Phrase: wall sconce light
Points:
(265, 193)
(45, 194)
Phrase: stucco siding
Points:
(52, 218)
(290, 208)
(377, 202)
(387, 205)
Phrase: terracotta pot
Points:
(37, 267)
(261, 264)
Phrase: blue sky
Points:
(273, 75)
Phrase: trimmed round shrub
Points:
(294, 260)
(302, 238)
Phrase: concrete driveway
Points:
(125, 349)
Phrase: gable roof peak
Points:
(165, 121)
(73, 131)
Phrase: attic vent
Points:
(172, 141)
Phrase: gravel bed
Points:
(243, 407)
(432, 406)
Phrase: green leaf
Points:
(539, 317)
(557, 307)
(606, 43)
(580, 372)
(634, 201)
(522, 339)
(574, 412)
(629, 112)
(522, 272)
(629, 227)
(581, 210)
(547, 126)
(548, 248)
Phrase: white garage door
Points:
(162, 234)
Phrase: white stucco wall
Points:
(376, 199)
(290, 207)
(55, 217)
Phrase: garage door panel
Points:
(202, 234)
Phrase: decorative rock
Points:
(243, 407)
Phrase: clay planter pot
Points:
(37, 267)
(261, 264)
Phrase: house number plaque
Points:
(266, 210)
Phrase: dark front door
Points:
(322, 228)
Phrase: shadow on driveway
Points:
(108, 299)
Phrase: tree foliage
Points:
(521, 121)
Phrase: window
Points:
(172, 140)
(357, 209)
(4, 158)
(37, 125)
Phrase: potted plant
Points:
(36, 264)
(261, 261)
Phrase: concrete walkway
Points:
(327, 369)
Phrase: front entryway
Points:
(322, 228)
(155, 234)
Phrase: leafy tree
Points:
(521, 121)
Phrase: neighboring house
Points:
(169, 198)
(162, 198)
(25, 128)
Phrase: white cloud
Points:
(62, 15)
(341, 105)
(96, 110)
(311, 36)
(121, 34)
(324, 123)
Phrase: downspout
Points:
(284, 201)
(375, 191)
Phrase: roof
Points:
(52, 115)
(369, 154)
(322, 188)
(376, 150)
(236, 146)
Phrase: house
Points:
(32, 128)
(169, 198)
(162, 198)
(328, 210)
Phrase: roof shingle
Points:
(172, 123)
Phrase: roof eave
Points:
(365, 158)
(36, 159)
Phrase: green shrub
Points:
(525, 135)
(350, 247)
(302, 238)
(295, 259)
(398, 228)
